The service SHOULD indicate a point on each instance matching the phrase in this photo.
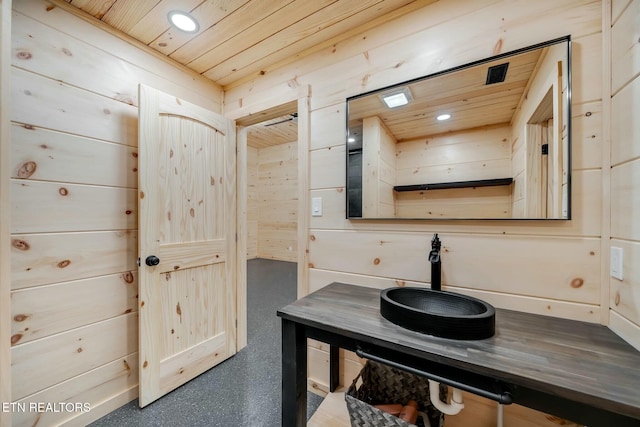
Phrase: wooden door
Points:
(187, 229)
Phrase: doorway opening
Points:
(272, 188)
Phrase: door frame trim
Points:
(246, 116)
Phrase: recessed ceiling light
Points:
(183, 21)
(442, 117)
(396, 98)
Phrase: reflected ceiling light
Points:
(396, 98)
(351, 139)
(183, 21)
(442, 117)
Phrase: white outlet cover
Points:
(616, 263)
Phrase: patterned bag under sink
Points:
(383, 384)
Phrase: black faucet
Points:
(436, 264)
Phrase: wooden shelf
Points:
(457, 184)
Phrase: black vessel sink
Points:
(439, 313)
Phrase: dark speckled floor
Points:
(245, 390)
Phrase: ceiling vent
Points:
(497, 73)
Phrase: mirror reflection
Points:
(488, 140)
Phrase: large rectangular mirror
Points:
(486, 140)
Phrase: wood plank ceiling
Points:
(241, 39)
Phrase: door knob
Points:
(152, 260)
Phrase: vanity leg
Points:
(334, 368)
(294, 375)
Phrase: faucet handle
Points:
(435, 242)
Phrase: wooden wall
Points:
(526, 159)
(272, 208)
(625, 161)
(473, 154)
(550, 268)
(74, 210)
(252, 202)
(378, 169)
(5, 212)
(278, 202)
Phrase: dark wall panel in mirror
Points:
(486, 140)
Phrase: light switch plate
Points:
(616, 263)
(316, 206)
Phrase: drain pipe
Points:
(452, 408)
(500, 415)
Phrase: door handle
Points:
(152, 260)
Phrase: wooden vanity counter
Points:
(575, 370)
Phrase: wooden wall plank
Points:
(104, 38)
(551, 307)
(5, 212)
(605, 289)
(46, 310)
(463, 171)
(73, 353)
(46, 155)
(570, 272)
(332, 173)
(625, 49)
(304, 202)
(475, 202)
(333, 134)
(627, 329)
(625, 201)
(277, 201)
(252, 202)
(39, 259)
(586, 51)
(47, 51)
(378, 169)
(625, 127)
(565, 269)
(51, 207)
(117, 380)
(241, 256)
(617, 7)
(318, 362)
(42, 102)
(474, 145)
(586, 143)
